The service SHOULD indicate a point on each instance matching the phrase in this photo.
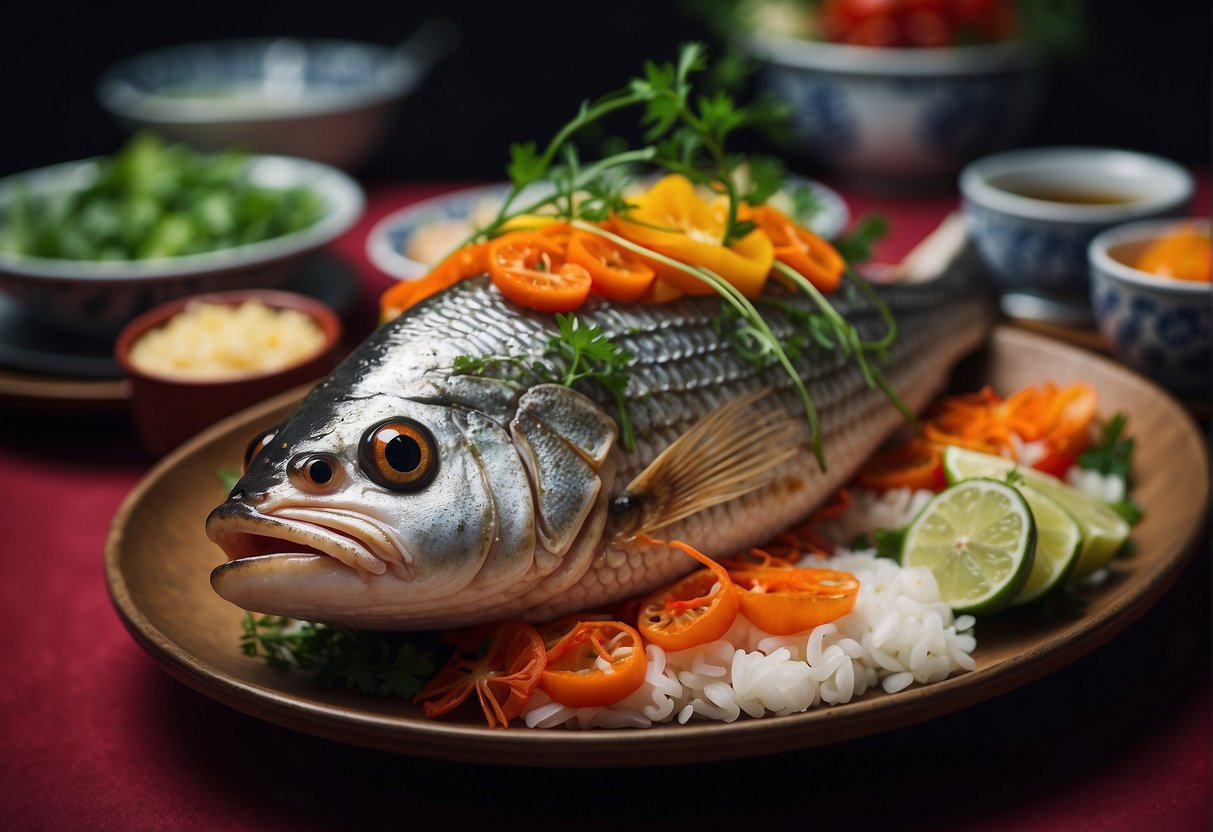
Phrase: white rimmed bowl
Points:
(390, 244)
(1037, 247)
(1158, 325)
(905, 118)
(326, 100)
(93, 299)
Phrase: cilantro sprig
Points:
(1112, 455)
(382, 664)
(686, 133)
(577, 353)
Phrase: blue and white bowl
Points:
(395, 244)
(897, 119)
(93, 299)
(326, 100)
(1159, 325)
(1032, 213)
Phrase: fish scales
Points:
(525, 529)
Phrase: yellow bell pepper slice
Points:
(674, 220)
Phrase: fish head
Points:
(386, 502)
(398, 512)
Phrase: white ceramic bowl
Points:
(391, 240)
(902, 118)
(94, 299)
(1159, 325)
(1037, 245)
(326, 100)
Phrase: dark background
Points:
(1142, 82)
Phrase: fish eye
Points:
(315, 472)
(398, 454)
(259, 444)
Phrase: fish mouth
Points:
(298, 535)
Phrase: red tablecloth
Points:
(94, 736)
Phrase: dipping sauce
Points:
(1071, 196)
(214, 341)
(1183, 254)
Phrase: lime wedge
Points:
(978, 539)
(1058, 543)
(1104, 531)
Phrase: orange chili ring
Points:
(787, 600)
(596, 663)
(696, 610)
(530, 268)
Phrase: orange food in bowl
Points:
(1183, 254)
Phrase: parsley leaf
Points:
(228, 476)
(856, 245)
(1113, 453)
(525, 165)
(375, 663)
(577, 353)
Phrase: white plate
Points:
(389, 239)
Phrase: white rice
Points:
(899, 634)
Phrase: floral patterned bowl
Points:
(907, 118)
(1158, 325)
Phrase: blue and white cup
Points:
(1159, 325)
(1033, 213)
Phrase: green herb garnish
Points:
(686, 132)
(856, 245)
(1112, 456)
(228, 476)
(373, 662)
(577, 354)
(1113, 453)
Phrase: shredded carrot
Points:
(1060, 417)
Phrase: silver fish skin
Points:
(524, 513)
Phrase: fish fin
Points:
(573, 416)
(729, 453)
(563, 439)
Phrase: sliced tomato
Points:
(915, 464)
(615, 274)
(596, 663)
(800, 248)
(530, 268)
(695, 610)
(501, 663)
(783, 600)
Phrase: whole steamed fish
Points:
(401, 494)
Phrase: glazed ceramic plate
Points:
(389, 242)
(158, 561)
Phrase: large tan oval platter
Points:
(158, 562)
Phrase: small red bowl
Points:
(168, 410)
